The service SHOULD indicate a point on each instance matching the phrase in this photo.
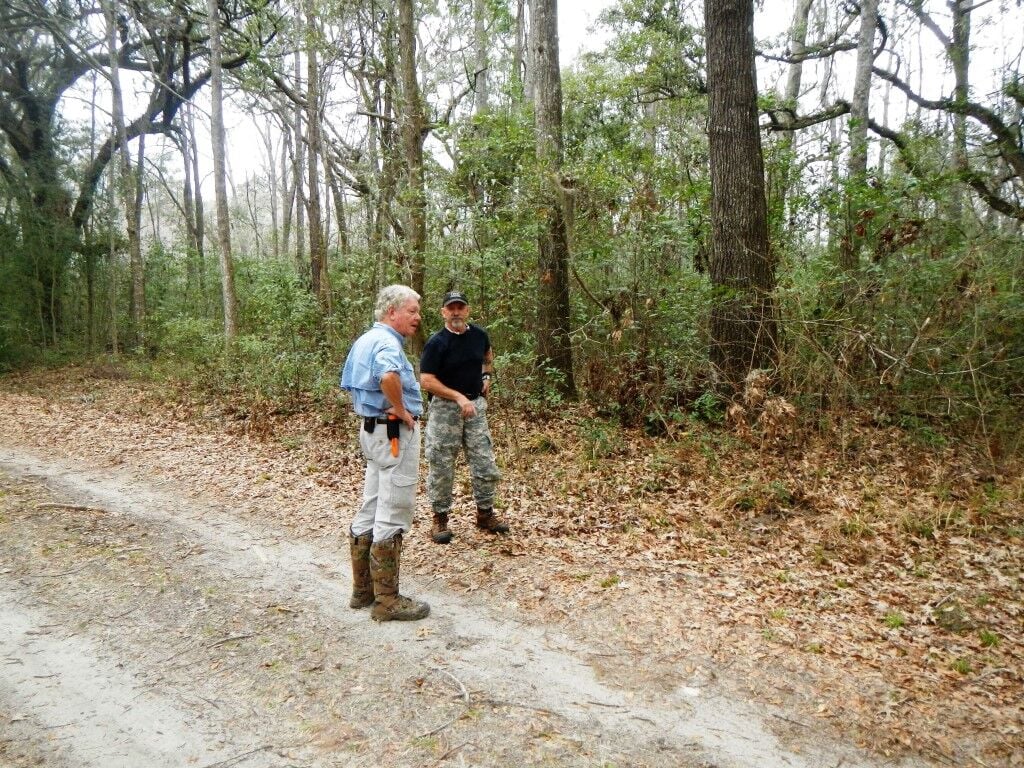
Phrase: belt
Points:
(369, 422)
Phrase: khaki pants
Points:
(389, 488)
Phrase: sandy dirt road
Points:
(143, 626)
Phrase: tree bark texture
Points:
(128, 180)
(789, 173)
(298, 176)
(482, 45)
(413, 133)
(857, 165)
(319, 281)
(220, 177)
(742, 268)
(960, 55)
(554, 344)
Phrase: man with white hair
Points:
(386, 396)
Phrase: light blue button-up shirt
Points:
(376, 352)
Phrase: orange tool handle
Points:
(393, 434)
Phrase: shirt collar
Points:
(386, 327)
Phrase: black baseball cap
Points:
(453, 296)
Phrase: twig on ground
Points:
(603, 704)
(82, 567)
(517, 705)
(237, 758)
(72, 507)
(789, 720)
(228, 640)
(442, 726)
(451, 752)
(465, 693)
(123, 613)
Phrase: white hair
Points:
(393, 297)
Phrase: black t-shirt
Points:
(457, 359)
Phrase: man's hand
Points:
(466, 406)
(391, 386)
(433, 385)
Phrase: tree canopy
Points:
(370, 144)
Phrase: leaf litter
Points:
(864, 582)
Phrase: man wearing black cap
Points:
(456, 369)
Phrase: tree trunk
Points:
(523, 58)
(273, 191)
(791, 100)
(857, 165)
(220, 177)
(338, 195)
(188, 204)
(480, 42)
(111, 11)
(742, 269)
(287, 191)
(115, 341)
(960, 55)
(200, 214)
(298, 178)
(554, 344)
(92, 246)
(319, 282)
(413, 133)
(138, 267)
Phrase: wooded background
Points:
(640, 230)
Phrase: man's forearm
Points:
(391, 386)
(433, 385)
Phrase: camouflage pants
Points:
(447, 433)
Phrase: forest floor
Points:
(174, 583)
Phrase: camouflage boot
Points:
(385, 559)
(486, 520)
(439, 532)
(362, 584)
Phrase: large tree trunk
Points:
(220, 177)
(554, 344)
(413, 133)
(742, 269)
